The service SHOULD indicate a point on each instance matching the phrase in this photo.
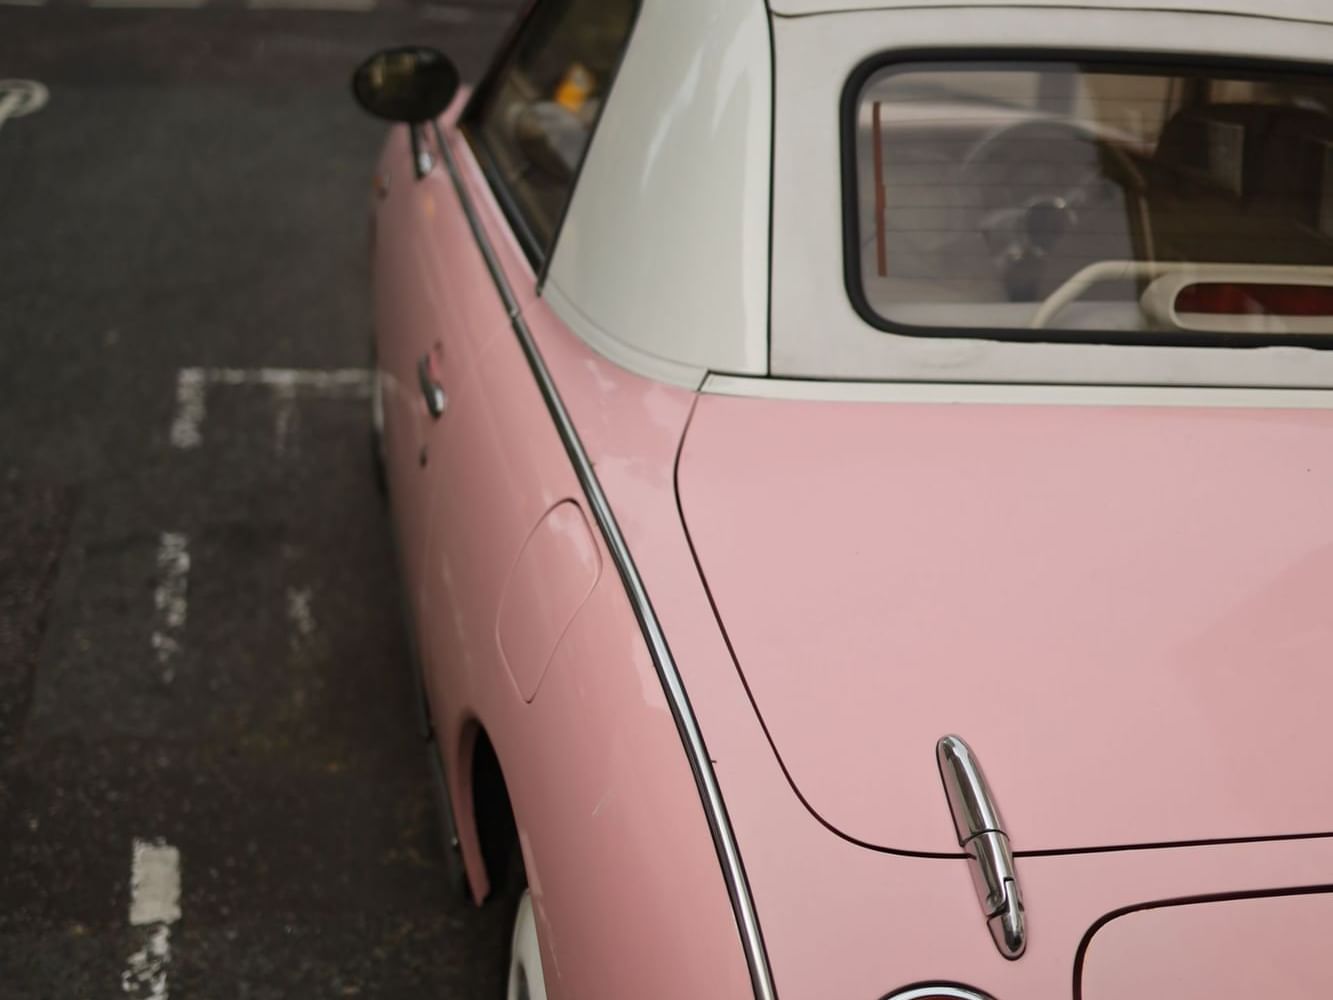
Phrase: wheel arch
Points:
(484, 813)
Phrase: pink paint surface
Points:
(1259, 947)
(1120, 609)
(627, 892)
(1124, 610)
(554, 575)
(838, 920)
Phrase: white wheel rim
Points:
(525, 958)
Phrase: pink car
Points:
(789, 410)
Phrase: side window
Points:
(534, 116)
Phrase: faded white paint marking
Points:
(155, 895)
(173, 564)
(164, 646)
(155, 883)
(285, 384)
(356, 380)
(185, 428)
(171, 598)
(21, 97)
(299, 614)
(145, 975)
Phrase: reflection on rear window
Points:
(1093, 201)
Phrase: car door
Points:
(430, 326)
(503, 480)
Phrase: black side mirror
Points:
(409, 84)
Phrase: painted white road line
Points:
(21, 97)
(171, 598)
(299, 614)
(190, 384)
(155, 904)
(155, 883)
(145, 975)
(285, 383)
(317, 379)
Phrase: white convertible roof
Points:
(671, 257)
(662, 261)
(1320, 11)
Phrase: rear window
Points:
(1077, 201)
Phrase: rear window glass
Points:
(1050, 200)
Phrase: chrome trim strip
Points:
(942, 991)
(479, 234)
(1015, 394)
(724, 839)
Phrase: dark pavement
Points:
(200, 640)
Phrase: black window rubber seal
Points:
(997, 57)
(538, 254)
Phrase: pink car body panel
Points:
(593, 764)
(1125, 599)
(1260, 947)
(840, 920)
(426, 236)
(630, 897)
(554, 575)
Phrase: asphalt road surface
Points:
(210, 781)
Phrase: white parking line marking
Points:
(155, 883)
(298, 613)
(145, 975)
(170, 598)
(189, 408)
(319, 379)
(285, 383)
(155, 895)
(21, 97)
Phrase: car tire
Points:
(526, 980)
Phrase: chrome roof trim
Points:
(724, 840)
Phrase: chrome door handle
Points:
(982, 837)
(436, 400)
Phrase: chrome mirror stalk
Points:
(422, 162)
(982, 837)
